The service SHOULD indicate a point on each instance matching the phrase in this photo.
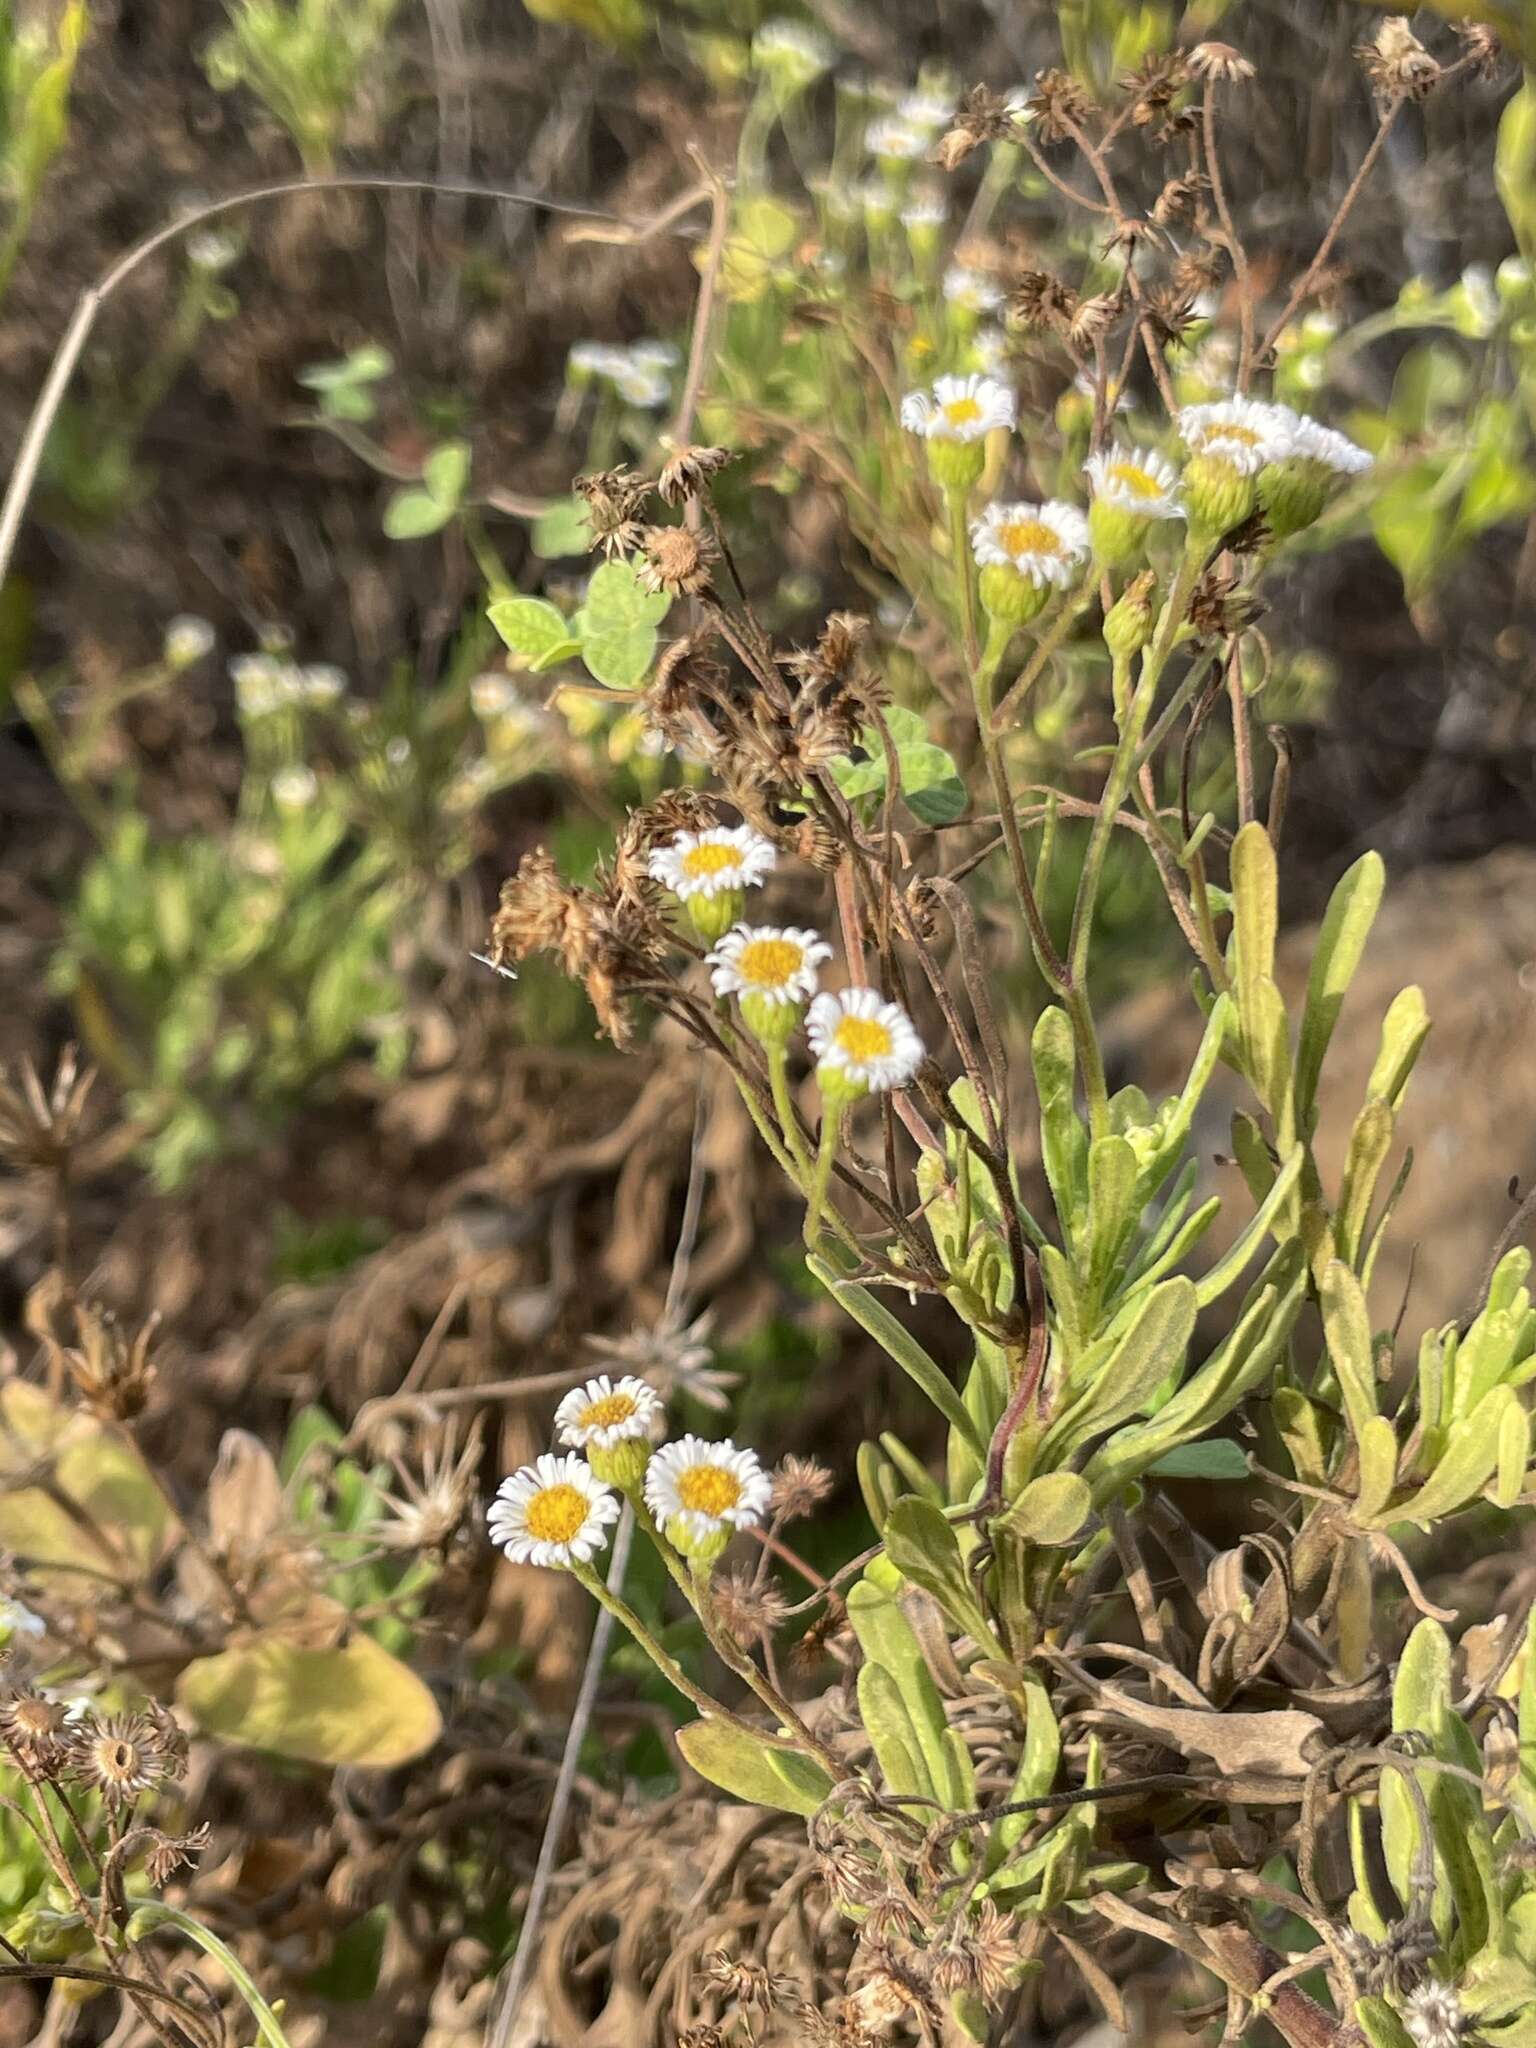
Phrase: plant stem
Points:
(960, 550)
(1055, 970)
(666, 1664)
(778, 1081)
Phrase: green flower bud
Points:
(1217, 493)
(697, 1549)
(1118, 535)
(956, 465)
(1128, 622)
(771, 1021)
(713, 916)
(624, 1465)
(1292, 494)
(1013, 598)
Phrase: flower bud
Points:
(1128, 622)
(1217, 493)
(1011, 597)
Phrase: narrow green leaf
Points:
(1346, 926)
(1038, 1762)
(1212, 1285)
(1403, 1032)
(1377, 1446)
(898, 1343)
(1255, 913)
(924, 1548)
(889, 1727)
(1514, 1456)
(1218, 1459)
(1465, 1466)
(1347, 1327)
(888, 1639)
(1151, 1349)
(1063, 1141)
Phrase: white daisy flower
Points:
(971, 290)
(989, 347)
(1313, 442)
(294, 787)
(187, 639)
(877, 198)
(1245, 433)
(859, 1036)
(794, 47)
(639, 385)
(959, 409)
(655, 355)
(606, 1413)
(709, 1489)
(492, 695)
(710, 863)
(1433, 2016)
(1135, 480)
(925, 209)
(553, 1512)
(1043, 542)
(596, 358)
(18, 1619)
(924, 109)
(776, 963)
(895, 139)
(322, 682)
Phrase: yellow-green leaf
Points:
(352, 1705)
(101, 1506)
(752, 1769)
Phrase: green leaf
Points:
(562, 529)
(1377, 1447)
(1151, 1349)
(1346, 926)
(102, 1507)
(924, 1548)
(1256, 914)
(1403, 1032)
(897, 1342)
(1038, 1763)
(1514, 1456)
(1347, 1326)
(888, 1639)
(1217, 1459)
(1050, 1510)
(1380, 2024)
(889, 1727)
(351, 1973)
(354, 1705)
(1214, 1283)
(534, 629)
(412, 514)
(445, 473)
(1369, 1143)
(752, 1769)
(1063, 1141)
(1466, 1465)
(617, 626)
(365, 365)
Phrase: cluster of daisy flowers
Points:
(1243, 453)
(267, 683)
(558, 1511)
(640, 373)
(863, 1044)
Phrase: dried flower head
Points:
(1433, 2016)
(1152, 88)
(1059, 104)
(677, 561)
(167, 1853)
(984, 116)
(750, 1983)
(123, 1756)
(674, 1357)
(1397, 63)
(1481, 48)
(1037, 299)
(1219, 61)
(34, 1730)
(800, 1485)
(615, 500)
(752, 1610)
(40, 1126)
(687, 474)
(429, 1510)
(112, 1372)
(1179, 198)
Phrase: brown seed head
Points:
(1220, 61)
(39, 1126)
(688, 473)
(34, 1730)
(1481, 47)
(1397, 63)
(800, 1485)
(615, 500)
(123, 1756)
(677, 561)
(1059, 104)
(1036, 299)
(751, 1612)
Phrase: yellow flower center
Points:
(709, 859)
(556, 1514)
(610, 1409)
(960, 412)
(1029, 537)
(1138, 482)
(708, 1489)
(863, 1038)
(769, 963)
(1246, 437)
